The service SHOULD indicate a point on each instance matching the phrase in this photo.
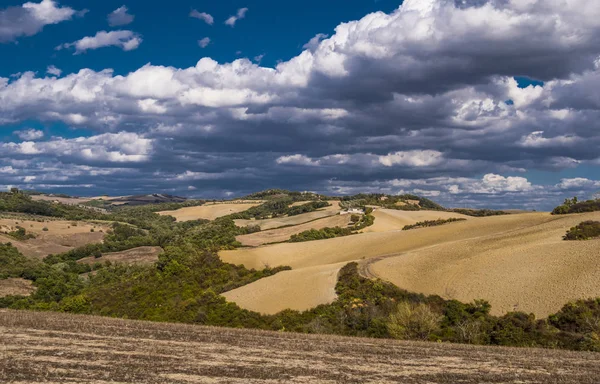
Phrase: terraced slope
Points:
(60, 348)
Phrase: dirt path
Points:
(59, 348)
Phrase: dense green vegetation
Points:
(575, 206)
(271, 194)
(278, 207)
(478, 212)
(431, 223)
(184, 286)
(584, 231)
(20, 234)
(357, 223)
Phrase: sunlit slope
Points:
(376, 244)
(209, 211)
(299, 289)
(393, 219)
(278, 222)
(529, 269)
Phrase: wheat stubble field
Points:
(61, 348)
(516, 262)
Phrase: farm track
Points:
(59, 348)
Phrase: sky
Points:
(472, 103)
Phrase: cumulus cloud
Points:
(120, 16)
(30, 18)
(52, 70)
(207, 18)
(241, 13)
(203, 43)
(30, 134)
(421, 99)
(124, 39)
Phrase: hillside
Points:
(53, 348)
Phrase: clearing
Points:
(16, 287)
(210, 211)
(61, 235)
(284, 234)
(57, 348)
(134, 256)
(514, 261)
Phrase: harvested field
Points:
(284, 234)
(529, 269)
(63, 200)
(299, 289)
(16, 287)
(515, 261)
(395, 220)
(134, 256)
(209, 211)
(61, 236)
(59, 348)
(279, 222)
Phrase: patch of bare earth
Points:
(59, 348)
(210, 211)
(61, 235)
(16, 287)
(134, 256)
(284, 234)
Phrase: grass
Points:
(53, 347)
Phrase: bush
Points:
(411, 321)
(431, 223)
(575, 206)
(584, 231)
(45, 229)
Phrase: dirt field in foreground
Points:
(16, 287)
(59, 348)
(209, 211)
(284, 234)
(61, 236)
(137, 256)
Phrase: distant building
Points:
(353, 211)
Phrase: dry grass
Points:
(299, 289)
(16, 287)
(134, 256)
(529, 269)
(210, 211)
(61, 236)
(59, 348)
(516, 261)
(278, 222)
(284, 234)
(394, 220)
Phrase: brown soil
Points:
(16, 287)
(60, 348)
(284, 234)
(61, 236)
(210, 211)
(134, 256)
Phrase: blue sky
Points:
(478, 103)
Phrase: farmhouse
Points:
(351, 211)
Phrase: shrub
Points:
(45, 229)
(411, 321)
(584, 231)
(431, 223)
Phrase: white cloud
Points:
(425, 158)
(126, 40)
(313, 43)
(207, 18)
(241, 13)
(52, 70)
(8, 169)
(120, 16)
(577, 183)
(203, 43)
(537, 140)
(30, 134)
(30, 18)
(296, 160)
